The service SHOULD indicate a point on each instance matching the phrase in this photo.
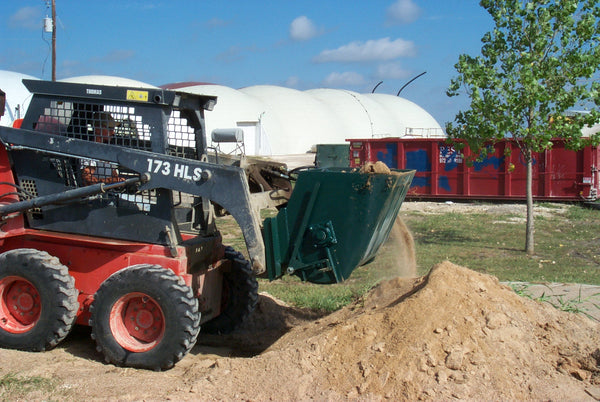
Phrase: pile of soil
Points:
(454, 333)
(375, 167)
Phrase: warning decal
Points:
(133, 95)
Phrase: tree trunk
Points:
(529, 245)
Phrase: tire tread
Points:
(56, 276)
(186, 306)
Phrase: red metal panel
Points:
(558, 173)
(92, 260)
(8, 194)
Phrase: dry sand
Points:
(451, 334)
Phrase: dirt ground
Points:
(452, 334)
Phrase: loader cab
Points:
(151, 119)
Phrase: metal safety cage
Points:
(148, 120)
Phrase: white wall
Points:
(17, 96)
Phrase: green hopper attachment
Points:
(335, 221)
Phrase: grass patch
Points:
(316, 297)
(14, 387)
(573, 305)
(567, 244)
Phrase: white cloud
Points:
(402, 12)
(303, 28)
(379, 49)
(26, 17)
(391, 71)
(348, 78)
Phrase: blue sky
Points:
(298, 44)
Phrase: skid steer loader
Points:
(107, 220)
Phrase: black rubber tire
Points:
(49, 283)
(176, 302)
(239, 295)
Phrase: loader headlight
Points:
(210, 104)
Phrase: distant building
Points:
(279, 121)
(276, 120)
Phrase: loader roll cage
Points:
(120, 133)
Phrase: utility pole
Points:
(53, 40)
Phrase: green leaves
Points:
(536, 66)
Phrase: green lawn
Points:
(567, 244)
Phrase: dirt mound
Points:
(454, 333)
(460, 334)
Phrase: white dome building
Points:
(407, 118)
(234, 109)
(17, 96)
(294, 121)
(282, 121)
(347, 109)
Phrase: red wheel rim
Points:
(137, 322)
(20, 305)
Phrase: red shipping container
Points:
(559, 174)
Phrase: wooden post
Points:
(53, 40)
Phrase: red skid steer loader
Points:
(107, 220)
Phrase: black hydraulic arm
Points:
(65, 196)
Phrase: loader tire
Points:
(38, 300)
(144, 316)
(239, 295)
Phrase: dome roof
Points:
(107, 80)
(360, 115)
(247, 108)
(295, 121)
(588, 131)
(234, 109)
(279, 121)
(347, 111)
(409, 119)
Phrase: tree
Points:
(537, 71)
